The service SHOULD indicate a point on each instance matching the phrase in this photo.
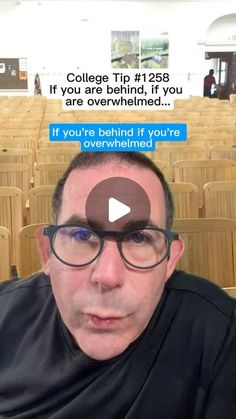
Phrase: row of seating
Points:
(169, 154)
(194, 108)
(198, 172)
(216, 200)
(43, 113)
(28, 128)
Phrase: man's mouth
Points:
(103, 322)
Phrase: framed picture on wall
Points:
(154, 50)
(125, 49)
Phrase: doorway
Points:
(225, 74)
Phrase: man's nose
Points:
(109, 268)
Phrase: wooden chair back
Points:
(220, 199)
(56, 155)
(17, 155)
(29, 255)
(27, 142)
(40, 204)
(210, 249)
(201, 172)
(5, 254)
(17, 175)
(11, 217)
(48, 173)
(186, 199)
(165, 168)
(231, 291)
(173, 153)
(223, 152)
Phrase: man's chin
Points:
(101, 347)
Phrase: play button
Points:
(117, 203)
(117, 210)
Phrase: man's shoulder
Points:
(38, 283)
(200, 290)
(24, 300)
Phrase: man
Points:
(209, 81)
(111, 330)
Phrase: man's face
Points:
(106, 305)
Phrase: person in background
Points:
(209, 81)
(37, 85)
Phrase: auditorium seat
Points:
(223, 152)
(210, 249)
(11, 217)
(48, 173)
(5, 265)
(201, 172)
(231, 291)
(56, 155)
(186, 199)
(29, 256)
(40, 204)
(17, 155)
(166, 168)
(210, 139)
(18, 175)
(173, 152)
(44, 142)
(220, 199)
(25, 142)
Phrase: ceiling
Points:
(139, 1)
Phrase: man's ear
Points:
(44, 250)
(176, 251)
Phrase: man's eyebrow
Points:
(133, 224)
(79, 220)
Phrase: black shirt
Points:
(183, 366)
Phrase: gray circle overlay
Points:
(126, 191)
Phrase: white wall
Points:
(58, 36)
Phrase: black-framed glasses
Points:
(77, 245)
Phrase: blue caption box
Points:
(117, 136)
